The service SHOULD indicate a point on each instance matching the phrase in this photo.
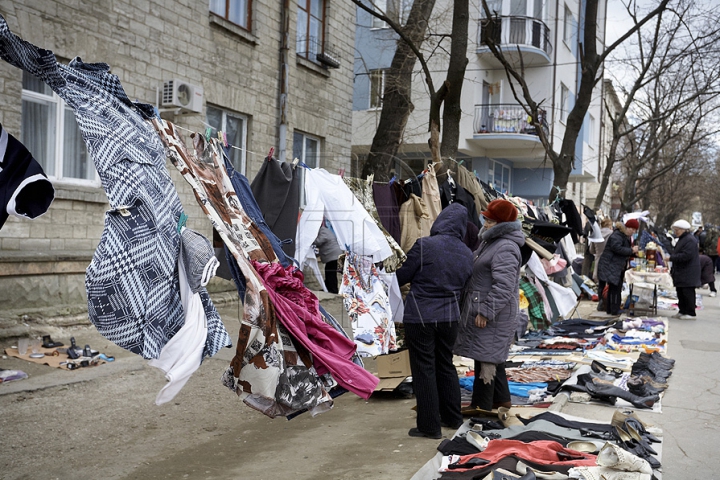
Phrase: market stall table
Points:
(650, 281)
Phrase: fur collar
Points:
(621, 226)
(500, 230)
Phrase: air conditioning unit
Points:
(183, 95)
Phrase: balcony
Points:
(530, 35)
(505, 130)
(317, 51)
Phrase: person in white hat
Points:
(685, 270)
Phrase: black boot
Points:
(668, 363)
(638, 387)
(605, 391)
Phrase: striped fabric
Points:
(132, 281)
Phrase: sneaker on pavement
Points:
(713, 294)
(687, 317)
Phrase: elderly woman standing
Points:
(685, 270)
(614, 261)
(490, 308)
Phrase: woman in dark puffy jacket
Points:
(490, 306)
(613, 262)
(437, 267)
(685, 269)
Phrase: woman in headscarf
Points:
(490, 306)
(437, 267)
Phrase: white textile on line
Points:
(396, 301)
(644, 216)
(565, 298)
(328, 195)
(182, 354)
(569, 247)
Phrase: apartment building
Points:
(267, 73)
(497, 142)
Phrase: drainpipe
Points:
(284, 79)
(557, 18)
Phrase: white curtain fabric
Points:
(327, 195)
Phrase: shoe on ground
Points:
(687, 317)
(414, 432)
(713, 294)
(677, 315)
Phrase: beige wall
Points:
(148, 42)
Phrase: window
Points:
(590, 131)
(235, 127)
(499, 176)
(567, 25)
(235, 11)
(310, 28)
(379, 6)
(377, 88)
(50, 132)
(396, 10)
(307, 149)
(564, 102)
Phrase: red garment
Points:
(298, 310)
(540, 451)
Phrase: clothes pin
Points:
(225, 143)
(182, 221)
(208, 133)
(270, 155)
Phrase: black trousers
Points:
(435, 380)
(486, 394)
(614, 299)
(712, 286)
(686, 300)
(331, 282)
(714, 258)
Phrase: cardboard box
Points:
(394, 364)
(393, 369)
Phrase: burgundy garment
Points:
(298, 310)
(544, 452)
(388, 209)
(472, 238)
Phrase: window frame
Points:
(308, 54)
(303, 158)
(564, 102)
(377, 95)
(244, 134)
(59, 143)
(567, 24)
(491, 174)
(248, 14)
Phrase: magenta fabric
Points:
(543, 452)
(298, 310)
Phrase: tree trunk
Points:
(563, 165)
(397, 103)
(452, 110)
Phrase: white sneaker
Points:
(713, 294)
(687, 317)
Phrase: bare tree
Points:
(667, 110)
(591, 62)
(397, 104)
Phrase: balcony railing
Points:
(508, 30)
(509, 118)
(316, 51)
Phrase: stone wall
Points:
(146, 43)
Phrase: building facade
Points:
(496, 142)
(267, 73)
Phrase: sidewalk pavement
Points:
(208, 433)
